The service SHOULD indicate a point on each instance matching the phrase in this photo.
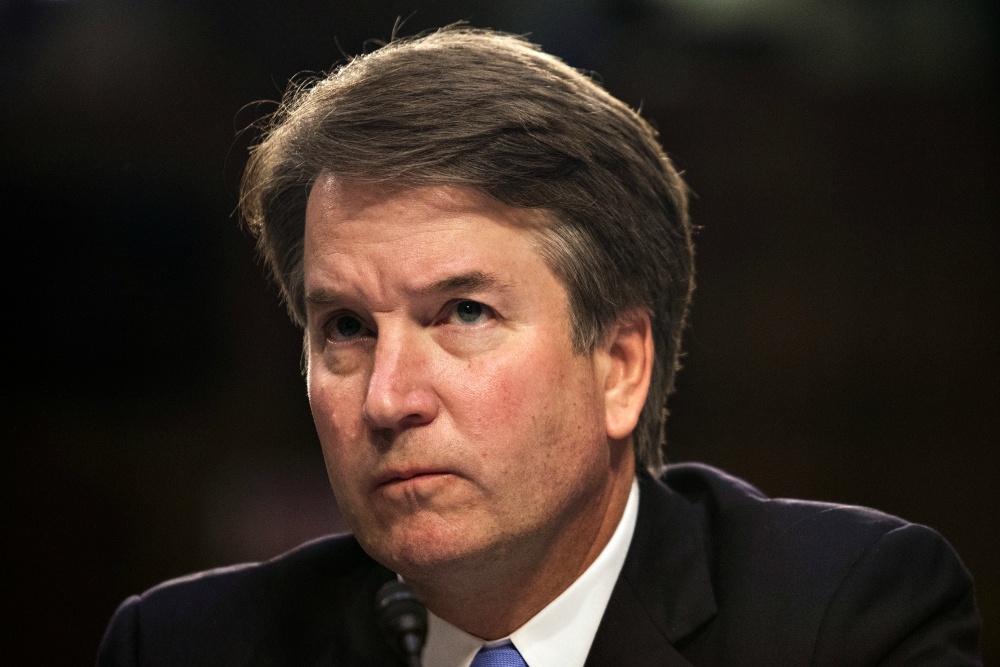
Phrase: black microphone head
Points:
(402, 618)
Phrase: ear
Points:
(630, 352)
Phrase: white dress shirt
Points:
(559, 635)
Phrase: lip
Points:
(409, 474)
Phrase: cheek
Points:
(336, 410)
(493, 395)
(518, 402)
(338, 425)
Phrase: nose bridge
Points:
(399, 392)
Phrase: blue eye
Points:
(348, 327)
(469, 312)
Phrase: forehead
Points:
(377, 234)
(336, 199)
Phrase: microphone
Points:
(402, 618)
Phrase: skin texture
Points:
(469, 448)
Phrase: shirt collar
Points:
(559, 635)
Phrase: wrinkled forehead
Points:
(348, 198)
(393, 242)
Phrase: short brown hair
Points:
(483, 109)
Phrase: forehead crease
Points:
(348, 199)
(469, 281)
(455, 284)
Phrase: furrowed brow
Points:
(322, 297)
(464, 282)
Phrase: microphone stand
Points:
(402, 618)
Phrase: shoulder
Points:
(737, 515)
(326, 560)
(739, 518)
(833, 584)
(241, 614)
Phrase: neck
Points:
(494, 594)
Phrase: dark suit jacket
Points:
(717, 574)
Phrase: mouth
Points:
(406, 477)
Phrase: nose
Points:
(400, 394)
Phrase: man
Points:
(492, 262)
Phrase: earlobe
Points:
(630, 352)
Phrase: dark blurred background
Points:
(844, 340)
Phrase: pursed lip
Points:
(398, 475)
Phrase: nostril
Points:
(415, 419)
(379, 412)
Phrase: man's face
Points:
(455, 419)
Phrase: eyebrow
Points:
(322, 297)
(463, 282)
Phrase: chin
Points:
(421, 546)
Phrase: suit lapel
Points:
(664, 592)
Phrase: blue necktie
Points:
(504, 655)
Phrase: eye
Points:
(469, 312)
(344, 327)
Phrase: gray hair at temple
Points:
(491, 111)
